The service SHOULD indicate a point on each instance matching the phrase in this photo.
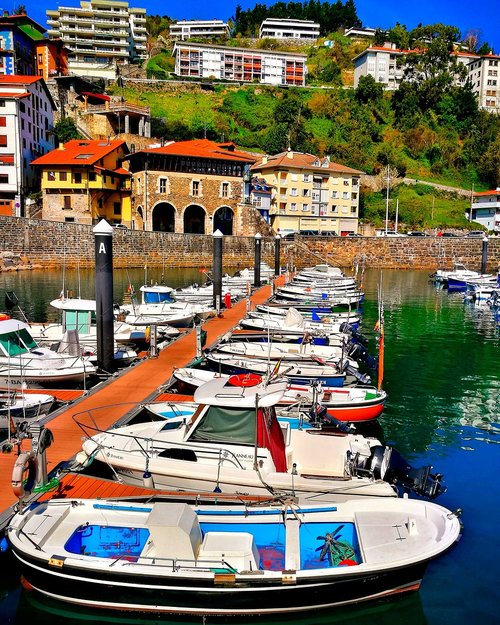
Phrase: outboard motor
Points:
(386, 463)
(318, 417)
(345, 328)
(361, 377)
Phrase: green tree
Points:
(489, 166)
(65, 129)
(276, 139)
(368, 90)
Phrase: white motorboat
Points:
(303, 352)
(234, 444)
(18, 406)
(24, 362)
(77, 332)
(227, 560)
(459, 272)
(294, 323)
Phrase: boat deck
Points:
(137, 384)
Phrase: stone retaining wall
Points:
(50, 244)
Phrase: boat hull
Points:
(183, 595)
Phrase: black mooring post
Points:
(484, 256)
(277, 255)
(217, 269)
(256, 269)
(103, 233)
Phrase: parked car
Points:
(120, 226)
(477, 233)
(353, 234)
(450, 234)
(417, 233)
(393, 233)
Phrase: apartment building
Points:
(239, 64)
(26, 123)
(485, 80)
(312, 194)
(101, 34)
(18, 37)
(189, 186)
(359, 34)
(83, 182)
(186, 29)
(486, 209)
(276, 28)
(381, 62)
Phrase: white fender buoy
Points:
(24, 474)
(147, 480)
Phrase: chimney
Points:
(289, 153)
(264, 160)
(61, 146)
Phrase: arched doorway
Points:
(139, 219)
(164, 217)
(194, 220)
(223, 220)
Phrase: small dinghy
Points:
(176, 558)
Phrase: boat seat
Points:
(46, 524)
(235, 549)
(174, 530)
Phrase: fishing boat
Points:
(19, 406)
(24, 362)
(172, 557)
(354, 404)
(233, 443)
(77, 332)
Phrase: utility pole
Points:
(471, 201)
(397, 214)
(387, 202)
(432, 211)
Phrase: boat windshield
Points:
(155, 297)
(16, 343)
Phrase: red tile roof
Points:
(15, 79)
(492, 192)
(300, 160)
(98, 96)
(202, 148)
(76, 149)
(12, 94)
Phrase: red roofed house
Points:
(312, 195)
(26, 122)
(486, 209)
(190, 186)
(83, 182)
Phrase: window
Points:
(306, 178)
(224, 189)
(3, 141)
(346, 183)
(294, 192)
(69, 220)
(92, 176)
(117, 208)
(335, 208)
(67, 202)
(345, 195)
(63, 176)
(195, 187)
(305, 208)
(77, 178)
(4, 178)
(162, 186)
(51, 176)
(293, 206)
(3, 121)
(335, 195)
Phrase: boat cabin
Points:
(157, 294)
(15, 338)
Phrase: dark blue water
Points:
(442, 373)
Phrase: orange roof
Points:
(15, 79)
(12, 94)
(300, 160)
(79, 152)
(492, 192)
(202, 148)
(122, 171)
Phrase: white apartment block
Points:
(381, 63)
(358, 34)
(101, 34)
(194, 60)
(185, 29)
(26, 123)
(275, 28)
(486, 209)
(484, 74)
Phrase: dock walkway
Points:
(133, 386)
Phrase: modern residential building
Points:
(18, 36)
(101, 34)
(277, 28)
(312, 194)
(189, 186)
(84, 181)
(262, 195)
(359, 34)
(486, 209)
(26, 124)
(484, 75)
(381, 62)
(51, 58)
(239, 64)
(186, 29)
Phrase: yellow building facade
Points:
(312, 195)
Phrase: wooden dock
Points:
(137, 384)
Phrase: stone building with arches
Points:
(192, 187)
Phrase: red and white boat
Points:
(355, 404)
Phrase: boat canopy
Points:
(157, 294)
(16, 342)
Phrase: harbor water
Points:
(442, 375)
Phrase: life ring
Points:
(4, 317)
(245, 379)
(24, 474)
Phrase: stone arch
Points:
(194, 219)
(139, 218)
(163, 217)
(223, 220)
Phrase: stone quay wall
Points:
(49, 244)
